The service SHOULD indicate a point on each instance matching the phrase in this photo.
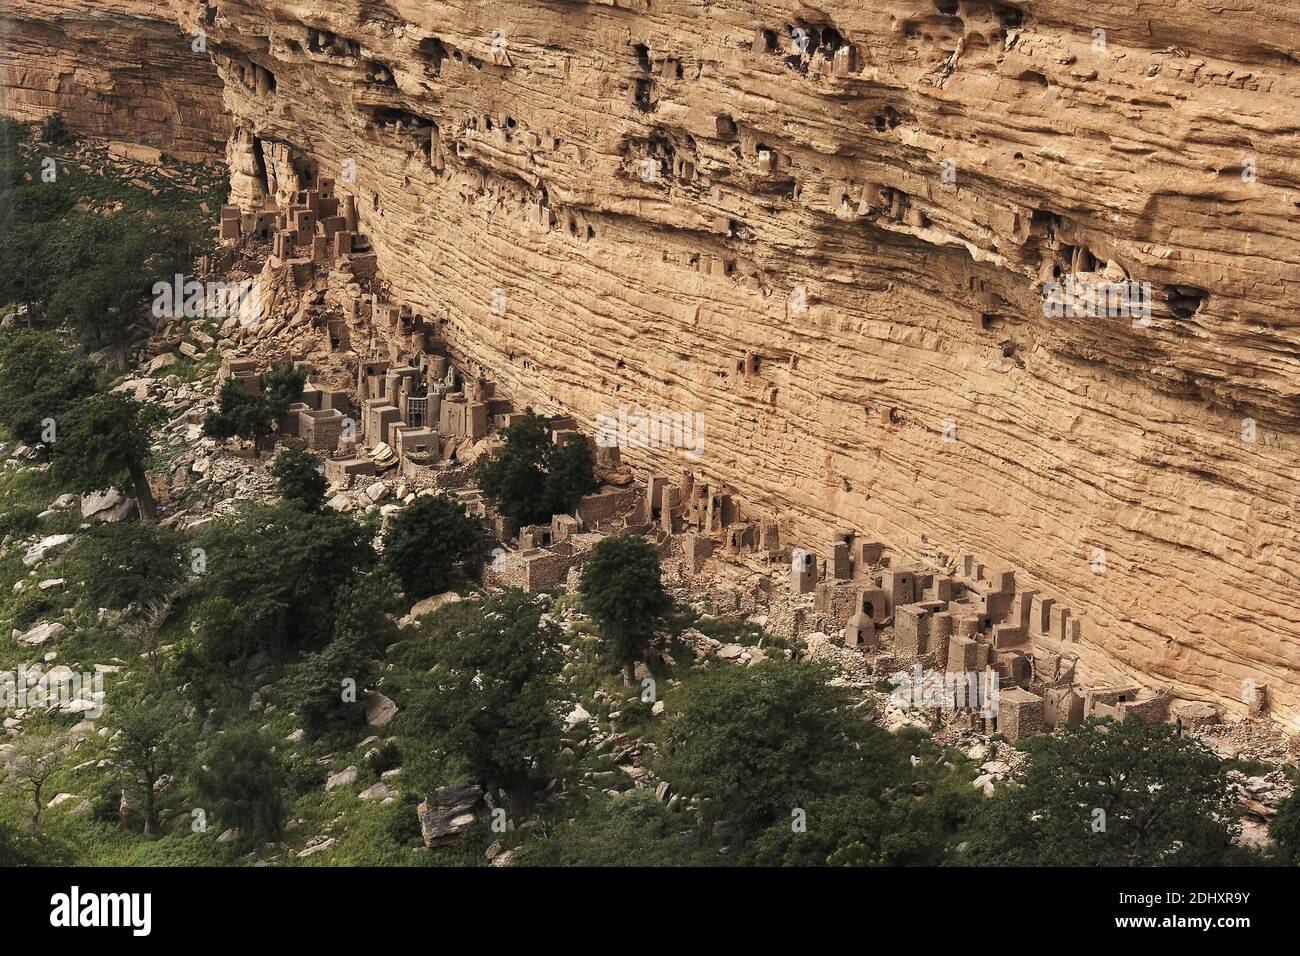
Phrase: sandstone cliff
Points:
(827, 230)
(114, 68)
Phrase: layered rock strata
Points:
(119, 69)
(838, 234)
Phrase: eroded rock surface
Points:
(827, 231)
(120, 69)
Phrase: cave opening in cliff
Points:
(1009, 16)
(433, 51)
(1185, 301)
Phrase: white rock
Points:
(41, 633)
(378, 791)
(324, 844)
(430, 604)
(38, 551)
(576, 716)
(97, 501)
(341, 779)
(376, 491)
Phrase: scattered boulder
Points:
(106, 506)
(429, 605)
(41, 633)
(341, 779)
(37, 552)
(379, 710)
(315, 846)
(576, 716)
(448, 813)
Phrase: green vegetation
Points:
(432, 544)
(253, 415)
(298, 477)
(123, 564)
(243, 780)
(622, 592)
(491, 698)
(533, 478)
(38, 381)
(1286, 831)
(273, 576)
(1111, 794)
(84, 247)
(103, 442)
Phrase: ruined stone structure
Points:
(834, 232)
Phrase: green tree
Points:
(35, 758)
(363, 627)
(150, 739)
(1285, 830)
(254, 415)
(281, 569)
(623, 593)
(532, 478)
(55, 131)
(103, 441)
(492, 697)
(431, 543)
(243, 781)
(38, 381)
(299, 478)
(631, 829)
(1107, 793)
(762, 742)
(123, 563)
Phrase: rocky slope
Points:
(115, 68)
(825, 229)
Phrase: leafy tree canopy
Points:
(532, 478)
(491, 698)
(38, 381)
(1106, 793)
(126, 563)
(254, 415)
(283, 569)
(299, 478)
(243, 781)
(623, 593)
(432, 542)
(103, 441)
(762, 742)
